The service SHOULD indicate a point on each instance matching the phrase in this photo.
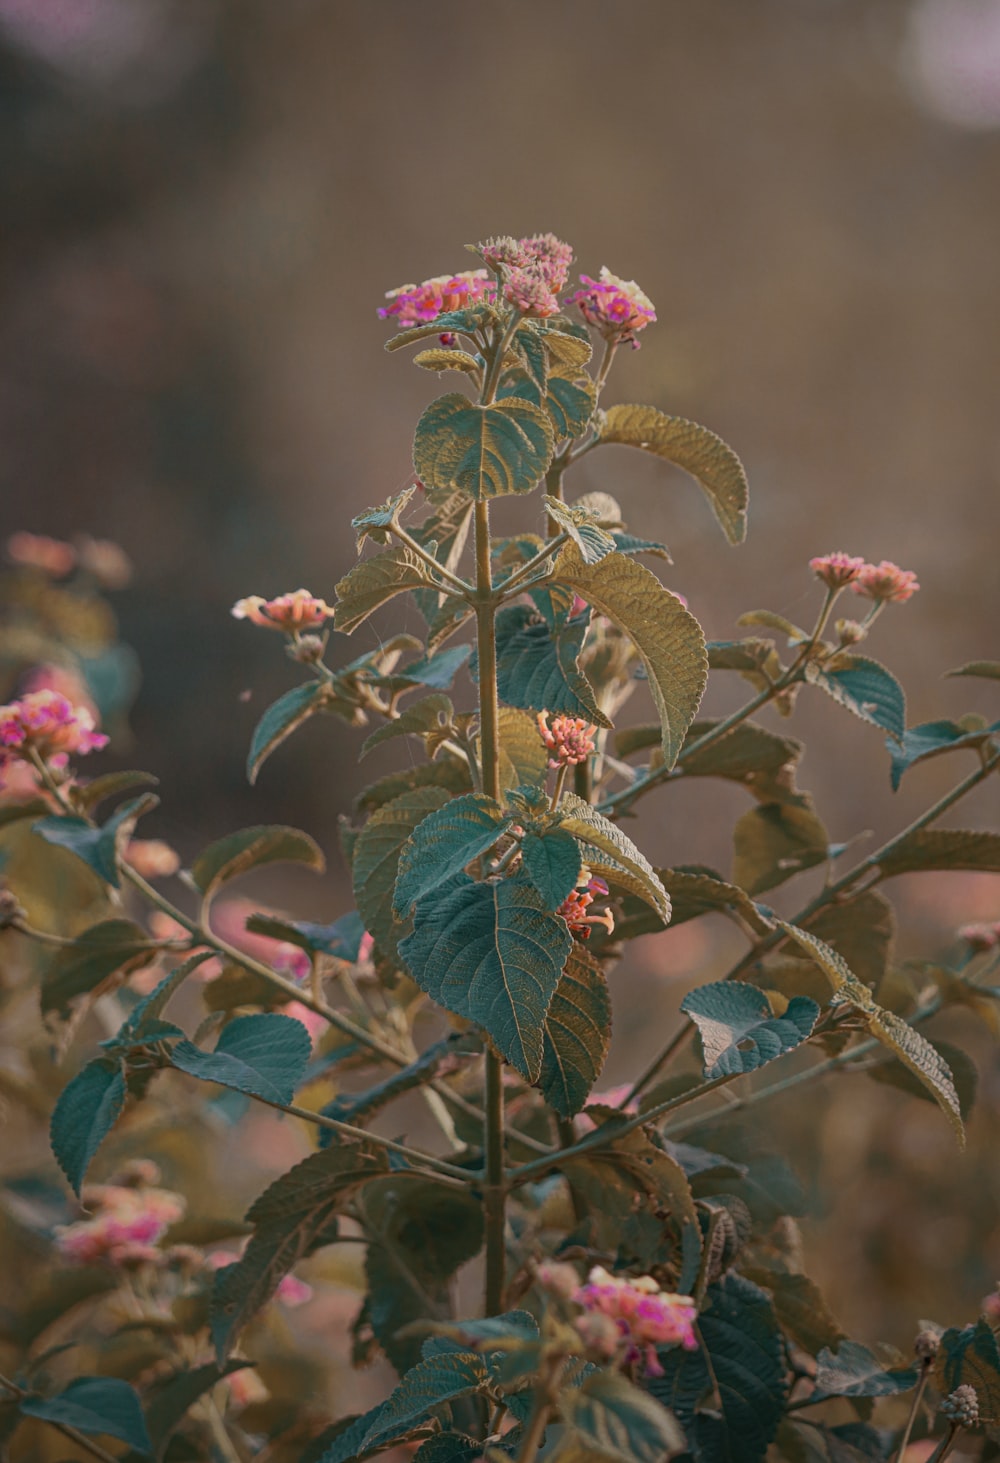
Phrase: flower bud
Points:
(962, 1406)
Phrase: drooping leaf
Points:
(751, 755)
(341, 939)
(931, 739)
(798, 1304)
(97, 1406)
(90, 795)
(450, 322)
(101, 951)
(264, 1056)
(865, 688)
(698, 451)
(375, 581)
(170, 1398)
(583, 528)
(428, 1385)
(443, 843)
(492, 954)
(627, 543)
(855, 1371)
(577, 1034)
(968, 1357)
(97, 847)
(584, 822)
(447, 359)
(524, 760)
(697, 891)
(551, 860)
(942, 848)
(281, 719)
(87, 1110)
(252, 848)
(376, 859)
(485, 451)
(739, 1031)
(985, 669)
(666, 635)
(963, 1071)
(537, 667)
(775, 841)
(611, 1414)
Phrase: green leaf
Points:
(584, 822)
(698, 451)
(87, 1110)
(570, 405)
(143, 1022)
(296, 1215)
(577, 1034)
(862, 931)
(98, 953)
(959, 1063)
(446, 358)
(865, 688)
(376, 859)
(739, 1031)
(281, 719)
(430, 718)
(450, 322)
(773, 621)
(169, 1399)
(341, 939)
(443, 534)
(627, 543)
(90, 794)
(375, 581)
(942, 848)
(97, 847)
(744, 1360)
(611, 1414)
(855, 1371)
(985, 669)
(968, 1357)
(524, 759)
(437, 671)
(749, 754)
(252, 848)
(775, 841)
(537, 667)
(448, 773)
(666, 635)
(583, 528)
(449, 1447)
(484, 451)
(697, 891)
(930, 739)
(265, 1056)
(552, 862)
(426, 1386)
(98, 1407)
(374, 521)
(443, 843)
(492, 954)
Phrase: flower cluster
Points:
(570, 739)
(130, 1217)
(526, 288)
(886, 582)
(643, 1317)
(542, 257)
(48, 724)
(837, 570)
(574, 908)
(417, 304)
(616, 307)
(291, 613)
(981, 936)
(37, 551)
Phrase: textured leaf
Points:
(524, 759)
(552, 862)
(281, 719)
(745, 1363)
(930, 739)
(583, 528)
(570, 405)
(968, 1357)
(492, 954)
(577, 1034)
(866, 689)
(443, 534)
(447, 359)
(961, 1066)
(627, 543)
(698, 451)
(441, 1059)
(374, 521)
(87, 1110)
(943, 848)
(485, 451)
(611, 1414)
(99, 952)
(749, 754)
(986, 669)
(775, 841)
(90, 795)
(375, 581)
(97, 847)
(578, 817)
(449, 1447)
(427, 1385)
(855, 1371)
(98, 1407)
(169, 1399)
(251, 849)
(450, 322)
(739, 1031)
(443, 843)
(695, 891)
(437, 671)
(668, 638)
(448, 772)
(537, 667)
(341, 939)
(376, 859)
(264, 1055)
(799, 1306)
(427, 717)
(862, 931)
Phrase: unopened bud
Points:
(560, 1279)
(926, 1344)
(308, 649)
(850, 631)
(962, 1406)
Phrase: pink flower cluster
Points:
(618, 308)
(47, 723)
(837, 570)
(291, 613)
(575, 909)
(570, 739)
(881, 582)
(129, 1221)
(533, 270)
(981, 936)
(418, 304)
(643, 1316)
(37, 551)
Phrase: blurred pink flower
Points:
(126, 1216)
(46, 723)
(616, 307)
(36, 551)
(886, 582)
(292, 612)
(645, 1315)
(980, 936)
(836, 570)
(107, 561)
(152, 858)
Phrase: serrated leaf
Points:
(570, 405)
(252, 848)
(449, 1447)
(96, 954)
(485, 451)
(376, 859)
(775, 841)
(97, 847)
(374, 522)
(375, 581)
(492, 954)
(611, 1414)
(447, 359)
(568, 346)
(87, 1110)
(666, 635)
(749, 754)
(577, 1034)
(427, 717)
(444, 843)
(281, 719)
(862, 931)
(985, 669)
(428, 1385)
(170, 1398)
(341, 939)
(583, 528)
(713, 465)
(537, 666)
(264, 1055)
(524, 759)
(931, 739)
(627, 543)
(942, 848)
(960, 1065)
(855, 1371)
(739, 1031)
(697, 891)
(968, 1357)
(551, 860)
(448, 773)
(865, 688)
(584, 822)
(98, 1407)
(745, 1365)
(450, 322)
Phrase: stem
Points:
(495, 370)
(946, 1444)
(459, 585)
(81, 1439)
(607, 360)
(545, 1404)
(925, 1372)
(348, 1130)
(508, 586)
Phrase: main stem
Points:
(494, 1191)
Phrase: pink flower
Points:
(980, 936)
(574, 909)
(417, 304)
(616, 307)
(645, 1315)
(291, 613)
(570, 739)
(126, 1217)
(551, 257)
(47, 723)
(886, 582)
(107, 561)
(836, 570)
(35, 551)
(152, 858)
(528, 290)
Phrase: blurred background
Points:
(203, 206)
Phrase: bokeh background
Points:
(203, 204)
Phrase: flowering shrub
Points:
(643, 1289)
